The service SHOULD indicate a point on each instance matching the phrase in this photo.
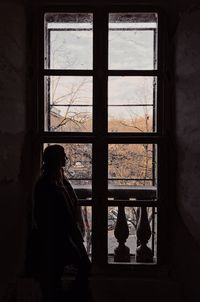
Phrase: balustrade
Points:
(144, 253)
(122, 252)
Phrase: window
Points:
(101, 98)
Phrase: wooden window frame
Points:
(100, 138)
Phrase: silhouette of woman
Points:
(59, 226)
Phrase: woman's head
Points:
(54, 157)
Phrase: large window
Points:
(101, 98)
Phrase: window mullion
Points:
(100, 157)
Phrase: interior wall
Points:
(12, 134)
(187, 121)
(16, 153)
(187, 112)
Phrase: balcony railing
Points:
(121, 196)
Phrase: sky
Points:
(72, 48)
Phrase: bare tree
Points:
(68, 101)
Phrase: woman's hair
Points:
(52, 156)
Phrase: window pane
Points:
(68, 103)
(130, 167)
(132, 41)
(130, 223)
(78, 168)
(132, 104)
(68, 40)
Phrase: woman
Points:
(58, 224)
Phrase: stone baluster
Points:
(122, 252)
(143, 252)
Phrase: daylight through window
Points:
(101, 102)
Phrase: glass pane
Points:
(130, 119)
(71, 118)
(78, 168)
(131, 166)
(132, 104)
(68, 41)
(87, 219)
(131, 221)
(130, 90)
(68, 103)
(132, 41)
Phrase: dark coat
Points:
(56, 239)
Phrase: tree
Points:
(68, 96)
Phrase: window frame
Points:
(100, 137)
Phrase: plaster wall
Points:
(12, 132)
(188, 119)
(186, 231)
